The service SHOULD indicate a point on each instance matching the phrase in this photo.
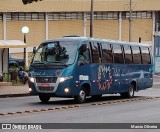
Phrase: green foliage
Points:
(29, 1)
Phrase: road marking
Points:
(114, 102)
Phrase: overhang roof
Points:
(12, 44)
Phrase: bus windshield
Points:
(56, 53)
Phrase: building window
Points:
(22, 16)
(103, 15)
(1, 16)
(137, 15)
(8, 16)
(65, 15)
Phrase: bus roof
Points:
(78, 38)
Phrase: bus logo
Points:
(45, 79)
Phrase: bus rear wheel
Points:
(130, 93)
(81, 96)
(44, 99)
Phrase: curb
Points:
(14, 95)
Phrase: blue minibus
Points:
(78, 67)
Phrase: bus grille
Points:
(45, 89)
(46, 79)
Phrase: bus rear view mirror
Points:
(34, 50)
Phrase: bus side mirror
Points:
(34, 50)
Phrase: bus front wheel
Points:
(130, 92)
(81, 96)
(44, 99)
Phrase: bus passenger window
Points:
(118, 55)
(145, 55)
(136, 55)
(95, 53)
(107, 53)
(84, 57)
(128, 54)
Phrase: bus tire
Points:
(81, 98)
(130, 93)
(44, 99)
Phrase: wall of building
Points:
(61, 28)
(33, 38)
(107, 29)
(57, 28)
(139, 28)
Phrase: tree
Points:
(29, 1)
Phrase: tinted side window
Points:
(118, 55)
(96, 57)
(107, 53)
(84, 54)
(145, 55)
(128, 54)
(136, 55)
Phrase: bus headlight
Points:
(66, 90)
(30, 90)
(31, 79)
(62, 79)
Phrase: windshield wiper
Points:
(40, 63)
(58, 62)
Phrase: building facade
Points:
(113, 19)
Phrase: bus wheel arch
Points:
(135, 85)
(130, 92)
(83, 93)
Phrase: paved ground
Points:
(24, 89)
(14, 90)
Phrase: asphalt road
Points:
(119, 111)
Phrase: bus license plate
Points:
(45, 85)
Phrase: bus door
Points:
(84, 60)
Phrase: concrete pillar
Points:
(46, 24)
(120, 26)
(153, 31)
(4, 26)
(84, 24)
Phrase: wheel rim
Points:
(82, 95)
(131, 91)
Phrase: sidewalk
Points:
(23, 90)
(14, 91)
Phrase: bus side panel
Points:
(115, 78)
